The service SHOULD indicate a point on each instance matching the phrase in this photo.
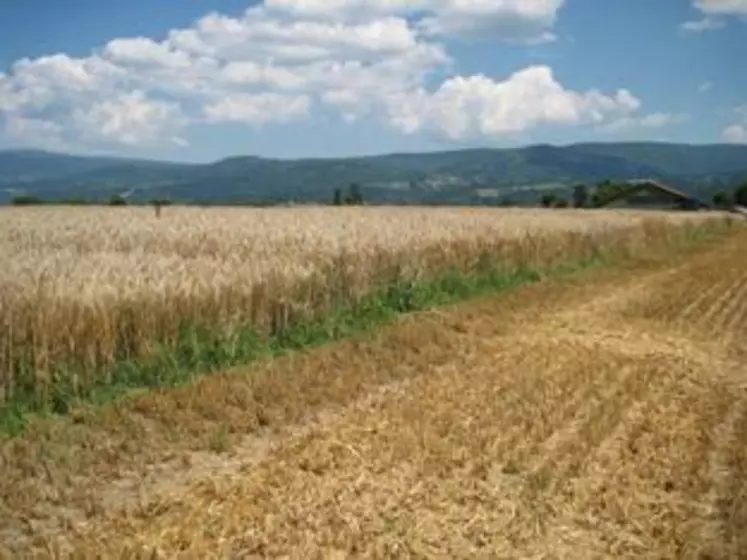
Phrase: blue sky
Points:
(200, 80)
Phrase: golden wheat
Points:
(90, 286)
(601, 416)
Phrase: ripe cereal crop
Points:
(84, 288)
(593, 415)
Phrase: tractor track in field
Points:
(732, 315)
(602, 418)
(720, 308)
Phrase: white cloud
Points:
(129, 118)
(64, 101)
(705, 87)
(706, 24)
(480, 106)
(516, 21)
(221, 67)
(651, 121)
(34, 132)
(722, 7)
(523, 21)
(260, 34)
(714, 11)
(56, 79)
(141, 51)
(285, 60)
(258, 109)
(348, 9)
(737, 133)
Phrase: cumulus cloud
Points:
(713, 13)
(134, 90)
(258, 109)
(516, 21)
(81, 101)
(144, 52)
(286, 60)
(473, 106)
(523, 21)
(737, 133)
(128, 118)
(651, 121)
(33, 132)
(722, 7)
(701, 25)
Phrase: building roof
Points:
(653, 183)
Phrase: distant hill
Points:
(454, 177)
(28, 166)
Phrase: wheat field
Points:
(597, 415)
(84, 288)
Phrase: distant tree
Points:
(26, 200)
(580, 196)
(606, 191)
(356, 193)
(722, 199)
(158, 203)
(355, 196)
(740, 195)
(506, 201)
(548, 200)
(595, 199)
(561, 203)
(337, 197)
(117, 200)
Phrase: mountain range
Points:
(474, 176)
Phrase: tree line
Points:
(726, 199)
(114, 200)
(353, 196)
(582, 196)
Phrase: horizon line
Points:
(126, 158)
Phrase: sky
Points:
(200, 80)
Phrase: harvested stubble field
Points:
(593, 415)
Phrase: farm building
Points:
(650, 193)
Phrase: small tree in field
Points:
(117, 200)
(26, 200)
(722, 199)
(159, 203)
(355, 196)
(337, 197)
(580, 196)
(740, 195)
(548, 200)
